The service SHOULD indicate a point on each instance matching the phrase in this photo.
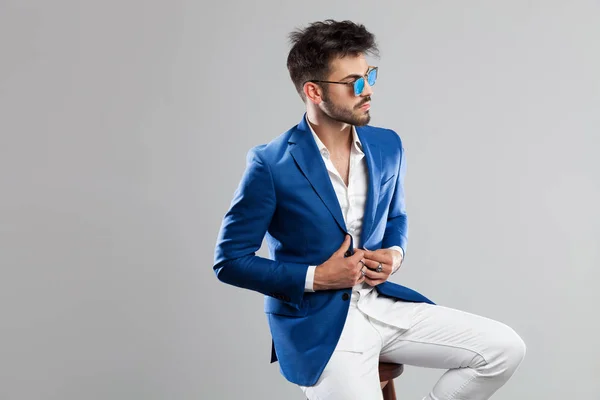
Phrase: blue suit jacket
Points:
(287, 195)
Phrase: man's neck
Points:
(335, 135)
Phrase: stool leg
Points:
(389, 391)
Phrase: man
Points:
(329, 196)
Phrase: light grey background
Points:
(124, 129)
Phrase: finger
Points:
(374, 282)
(373, 275)
(360, 278)
(357, 256)
(379, 256)
(373, 265)
(345, 245)
(362, 264)
(359, 274)
(370, 263)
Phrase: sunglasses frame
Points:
(365, 77)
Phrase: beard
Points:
(352, 116)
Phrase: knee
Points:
(511, 352)
(516, 348)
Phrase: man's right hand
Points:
(339, 272)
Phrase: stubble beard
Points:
(355, 117)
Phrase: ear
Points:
(313, 92)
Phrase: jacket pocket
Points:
(275, 306)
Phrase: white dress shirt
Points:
(352, 199)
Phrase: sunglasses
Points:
(358, 84)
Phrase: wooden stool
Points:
(387, 373)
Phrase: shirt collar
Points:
(356, 144)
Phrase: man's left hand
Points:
(390, 261)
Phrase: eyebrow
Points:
(355, 75)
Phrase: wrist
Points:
(397, 260)
(318, 282)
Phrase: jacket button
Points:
(345, 296)
(348, 253)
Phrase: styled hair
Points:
(314, 47)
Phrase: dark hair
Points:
(320, 42)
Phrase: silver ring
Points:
(363, 263)
(379, 268)
(362, 272)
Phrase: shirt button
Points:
(345, 296)
(325, 153)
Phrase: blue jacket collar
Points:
(305, 152)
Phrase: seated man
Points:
(329, 196)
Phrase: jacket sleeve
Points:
(242, 232)
(396, 230)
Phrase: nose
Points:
(367, 90)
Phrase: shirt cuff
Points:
(310, 278)
(399, 249)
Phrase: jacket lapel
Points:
(373, 157)
(305, 152)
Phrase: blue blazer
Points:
(286, 196)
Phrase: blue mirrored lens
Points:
(359, 86)
(372, 77)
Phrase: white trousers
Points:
(479, 354)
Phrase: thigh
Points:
(442, 337)
(348, 375)
(353, 369)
